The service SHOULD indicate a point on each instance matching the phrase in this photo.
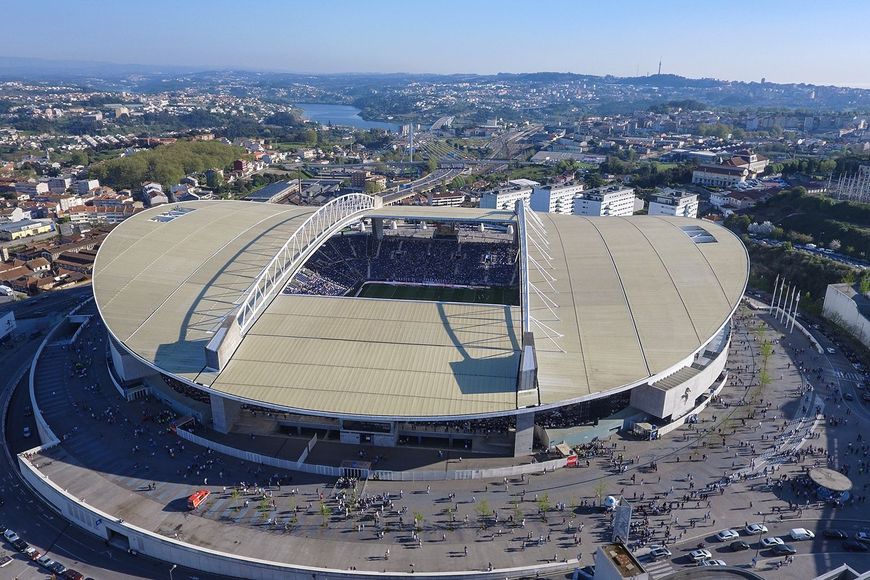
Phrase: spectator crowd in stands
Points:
(343, 262)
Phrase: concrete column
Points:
(224, 413)
(525, 436)
(378, 227)
(127, 367)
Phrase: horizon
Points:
(200, 69)
(481, 39)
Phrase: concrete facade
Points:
(846, 306)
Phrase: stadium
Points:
(493, 331)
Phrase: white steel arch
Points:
(319, 225)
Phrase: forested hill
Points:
(165, 164)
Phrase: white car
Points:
(701, 554)
(771, 542)
(754, 529)
(727, 535)
(713, 563)
(660, 552)
(11, 536)
(801, 534)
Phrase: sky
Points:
(782, 41)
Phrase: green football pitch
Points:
(439, 293)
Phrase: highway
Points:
(419, 186)
(22, 510)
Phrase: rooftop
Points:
(635, 297)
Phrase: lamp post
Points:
(758, 548)
(174, 566)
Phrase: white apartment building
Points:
(719, 175)
(31, 188)
(86, 185)
(555, 198)
(59, 184)
(613, 200)
(504, 198)
(674, 202)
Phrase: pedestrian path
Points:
(658, 569)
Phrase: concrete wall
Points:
(148, 543)
(126, 365)
(842, 309)
(673, 402)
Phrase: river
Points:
(344, 115)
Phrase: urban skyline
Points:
(478, 38)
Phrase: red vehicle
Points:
(196, 498)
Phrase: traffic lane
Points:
(723, 551)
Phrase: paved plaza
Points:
(734, 466)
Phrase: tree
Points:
(214, 180)
(483, 508)
(418, 521)
(834, 245)
(431, 164)
(79, 158)
(373, 187)
(544, 505)
(325, 513)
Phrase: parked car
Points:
(801, 534)
(784, 550)
(771, 542)
(32, 553)
(738, 546)
(853, 546)
(20, 545)
(700, 554)
(10, 535)
(57, 568)
(45, 562)
(713, 563)
(71, 574)
(862, 536)
(755, 529)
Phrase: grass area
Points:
(290, 145)
(439, 293)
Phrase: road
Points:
(424, 183)
(22, 510)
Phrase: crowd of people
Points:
(343, 262)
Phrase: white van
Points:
(801, 534)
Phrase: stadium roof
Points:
(635, 297)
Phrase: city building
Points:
(85, 186)
(674, 202)
(24, 228)
(555, 198)
(274, 192)
(613, 200)
(446, 199)
(505, 198)
(847, 307)
(719, 175)
(31, 188)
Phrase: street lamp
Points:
(758, 548)
(174, 566)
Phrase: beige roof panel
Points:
(634, 297)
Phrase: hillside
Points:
(165, 164)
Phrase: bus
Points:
(196, 498)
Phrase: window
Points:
(699, 235)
